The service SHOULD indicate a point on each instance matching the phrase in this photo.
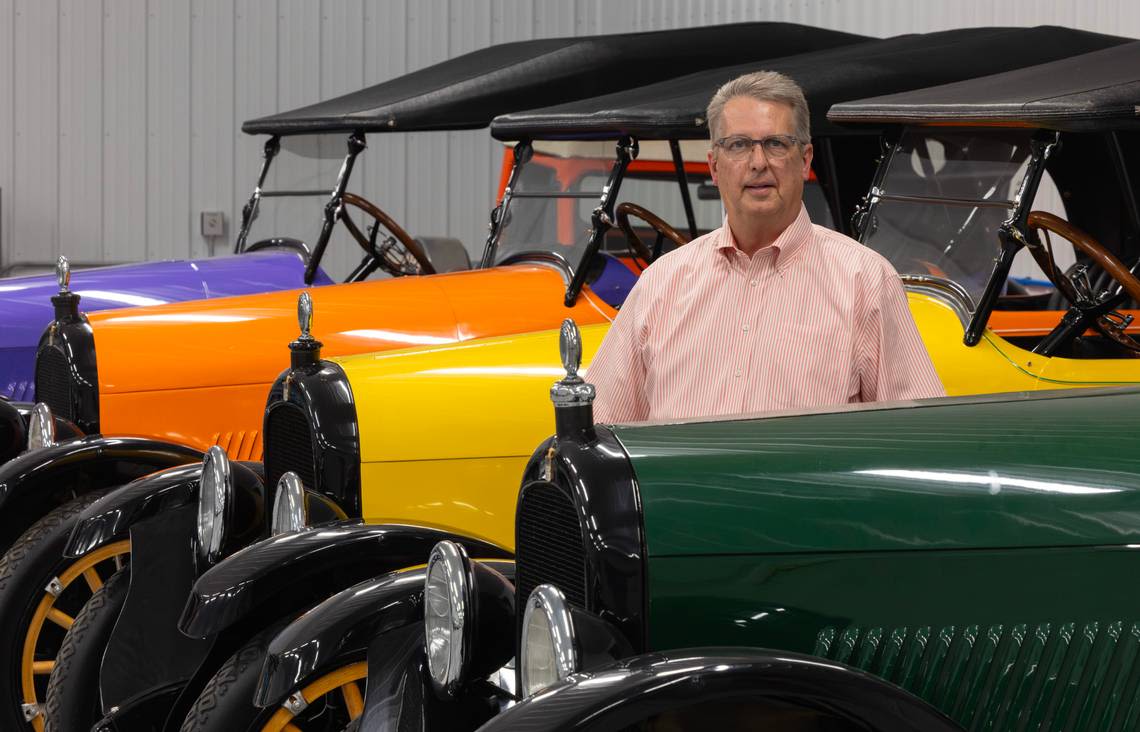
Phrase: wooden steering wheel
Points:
(627, 209)
(395, 265)
(1095, 251)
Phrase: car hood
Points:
(410, 404)
(244, 340)
(1005, 470)
(26, 301)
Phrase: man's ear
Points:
(712, 165)
(809, 151)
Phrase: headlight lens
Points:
(289, 506)
(548, 652)
(447, 610)
(214, 494)
(41, 427)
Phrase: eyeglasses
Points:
(739, 147)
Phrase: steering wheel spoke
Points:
(638, 248)
(383, 258)
(1084, 303)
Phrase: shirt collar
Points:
(787, 244)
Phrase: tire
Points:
(73, 689)
(26, 570)
(226, 703)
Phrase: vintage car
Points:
(321, 426)
(657, 538)
(671, 572)
(159, 403)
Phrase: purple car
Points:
(26, 301)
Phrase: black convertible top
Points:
(676, 109)
(1098, 90)
(469, 90)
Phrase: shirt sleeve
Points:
(895, 363)
(618, 370)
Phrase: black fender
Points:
(14, 418)
(296, 570)
(160, 492)
(346, 624)
(37, 481)
(635, 689)
(13, 429)
(341, 625)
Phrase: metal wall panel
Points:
(33, 201)
(168, 169)
(212, 120)
(125, 132)
(7, 119)
(121, 117)
(81, 129)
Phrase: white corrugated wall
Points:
(119, 118)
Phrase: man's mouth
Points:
(760, 186)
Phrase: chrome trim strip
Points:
(945, 290)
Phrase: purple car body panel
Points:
(26, 309)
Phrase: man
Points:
(769, 311)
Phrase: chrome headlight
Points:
(41, 427)
(214, 495)
(548, 654)
(289, 512)
(448, 610)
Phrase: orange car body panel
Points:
(213, 361)
(1037, 323)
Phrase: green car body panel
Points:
(978, 553)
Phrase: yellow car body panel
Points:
(995, 365)
(445, 431)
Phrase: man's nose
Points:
(757, 160)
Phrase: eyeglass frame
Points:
(758, 141)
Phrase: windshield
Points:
(549, 209)
(300, 181)
(942, 199)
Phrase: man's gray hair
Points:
(765, 86)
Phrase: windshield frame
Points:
(355, 144)
(1013, 233)
(602, 217)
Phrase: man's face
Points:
(757, 186)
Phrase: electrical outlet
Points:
(213, 224)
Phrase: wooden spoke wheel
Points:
(340, 687)
(62, 599)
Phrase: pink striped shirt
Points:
(815, 319)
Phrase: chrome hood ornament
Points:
(305, 315)
(63, 275)
(570, 347)
(572, 390)
(306, 350)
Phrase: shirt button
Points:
(737, 374)
(753, 283)
(745, 328)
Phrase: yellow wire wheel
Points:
(342, 682)
(92, 569)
